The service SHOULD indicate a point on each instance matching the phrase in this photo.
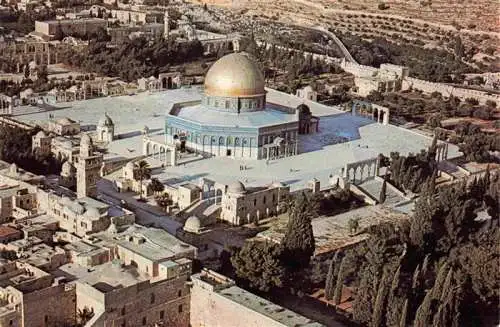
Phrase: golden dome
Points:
(234, 75)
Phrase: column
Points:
(173, 157)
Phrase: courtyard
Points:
(342, 139)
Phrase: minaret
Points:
(166, 27)
(87, 169)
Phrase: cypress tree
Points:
(416, 278)
(404, 313)
(339, 284)
(437, 290)
(423, 314)
(331, 277)
(299, 238)
(446, 286)
(383, 192)
(395, 302)
(378, 308)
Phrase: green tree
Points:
(259, 264)
(163, 200)
(143, 171)
(299, 238)
(156, 186)
(353, 224)
(332, 276)
(84, 315)
(383, 192)
(380, 300)
(339, 285)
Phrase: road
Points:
(337, 41)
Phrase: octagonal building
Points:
(233, 118)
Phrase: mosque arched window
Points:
(229, 140)
(214, 140)
(221, 140)
(245, 141)
(237, 141)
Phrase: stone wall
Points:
(211, 309)
(447, 90)
(51, 306)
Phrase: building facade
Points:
(242, 205)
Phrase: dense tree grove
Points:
(432, 109)
(337, 201)
(438, 269)
(410, 172)
(429, 64)
(264, 265)
(475, 144)
(259, 265)
(274, 60)
(15, 147)
(134, 58)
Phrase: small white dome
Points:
(236, 187)
(130, 165)
(41, 134)
(192, 225)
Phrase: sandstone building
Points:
(216, 300)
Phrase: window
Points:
(264, 200)
(123, 311)
(152, 298)
(180, 308)
(144, 321)
(162, 314)
(254, 202)
(179, 294)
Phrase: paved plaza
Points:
(342, 139)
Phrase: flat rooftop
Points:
(106, 277)
(267, 308)
(158, 244)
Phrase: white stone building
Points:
(242, 205)
(105, 129)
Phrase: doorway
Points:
(228, 153)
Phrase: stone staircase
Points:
(372, 188)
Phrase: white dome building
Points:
(233, 118)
